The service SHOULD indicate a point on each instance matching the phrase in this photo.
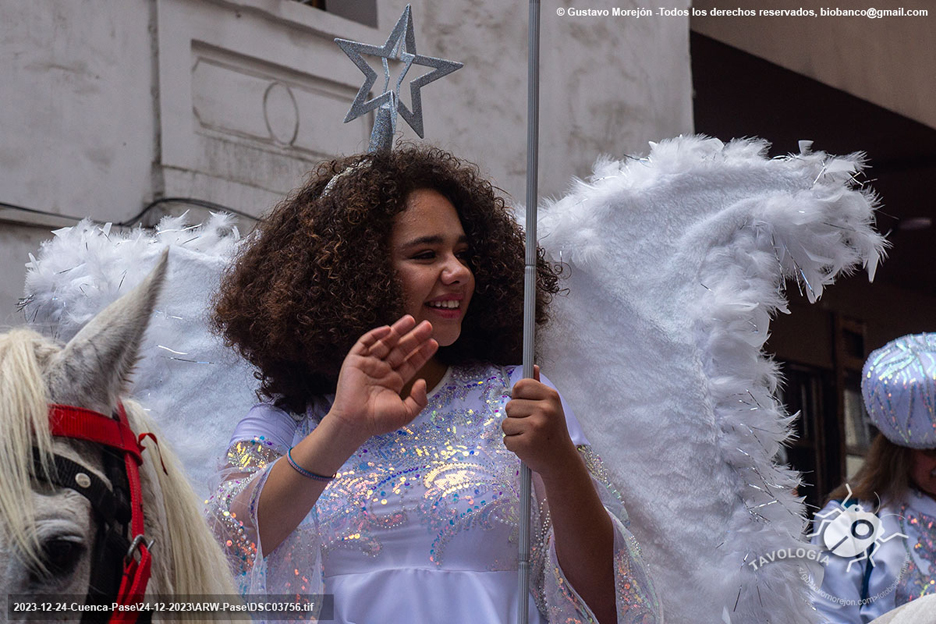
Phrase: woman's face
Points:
(430, 251)
(923, 470)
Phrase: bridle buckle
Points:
(138, 541)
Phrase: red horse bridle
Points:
(83, 424)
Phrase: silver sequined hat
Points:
(899, 388)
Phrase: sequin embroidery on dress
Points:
(916, 582)
(637, 602)
(243, 460)
(448, 470)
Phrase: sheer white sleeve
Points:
(555, 596)
(260, 440)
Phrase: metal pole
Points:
(529, 295)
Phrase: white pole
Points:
(529, 294)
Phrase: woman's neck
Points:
(432, 371)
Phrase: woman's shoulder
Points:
(515, 373)
(483, 371)
(479, 371)
(277, 426)
(921, 502)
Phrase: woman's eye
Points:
(425, 255)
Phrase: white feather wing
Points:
(676, 265)
(191, 384)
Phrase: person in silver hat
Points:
(879, 530)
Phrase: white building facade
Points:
(108, 105)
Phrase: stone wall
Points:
(109, 104)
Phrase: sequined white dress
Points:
(904, 568)
(421, 524)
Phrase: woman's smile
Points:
(447, 306)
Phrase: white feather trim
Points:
(676, 264)
(193, 386)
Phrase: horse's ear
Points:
(92, 370)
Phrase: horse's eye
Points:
(60, 558)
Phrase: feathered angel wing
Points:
(677, 262)
(191, 384)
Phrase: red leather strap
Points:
(136, 575)
(84, 424)
(149, 434)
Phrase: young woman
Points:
(895, 561)
(382, 307)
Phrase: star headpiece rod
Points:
(400, 46)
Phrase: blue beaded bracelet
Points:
(305, 473)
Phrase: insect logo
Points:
(850, 531)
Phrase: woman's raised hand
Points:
(378, 367)
(367, 403)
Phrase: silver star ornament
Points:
(400, 46)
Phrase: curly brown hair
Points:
(316, 273)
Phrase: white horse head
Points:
(48, 532)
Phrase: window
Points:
(360, 11)
(809, 390)
(849, 359)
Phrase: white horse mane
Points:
(24, 424)
(187, 561)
